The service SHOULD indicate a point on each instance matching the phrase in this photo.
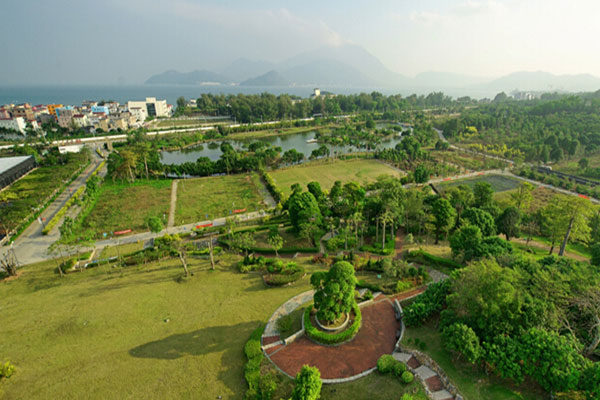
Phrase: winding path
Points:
(171, 222)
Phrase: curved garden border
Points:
(332, 339)
(272, 344)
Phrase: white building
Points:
(152, 107)
(140, 113)
(16, 124)
(80, 120)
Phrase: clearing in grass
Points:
(202, 199)
(500, 183)
(328, 171)
(123, 206)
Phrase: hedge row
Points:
(280, 279)
(389, 248)
(424, 257)
(277, 193)
(332, 338)
(254, 354)
(264, 250)
(63, 210)
(366, 285)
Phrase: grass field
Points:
(472, 383)
(17, 201)
(144, 333)
(500, 183)
(207, 198)
(327, 172)
(123, 205)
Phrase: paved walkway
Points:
(31, 246)
(171, 222)
(376, 337)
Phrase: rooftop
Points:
(7, 163)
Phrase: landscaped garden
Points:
(207, 198)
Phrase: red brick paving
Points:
(413, 363)
(270, 339)
(376, 337)
(434, 384)
(273, 349)
(409, 294)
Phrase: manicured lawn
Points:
(145, 333)
(472, 383)
(327, 172)
(17, 201)
(141, 333)
(120, 250)
(203, 199)
(500, 183)
(122, 206)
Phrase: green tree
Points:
(303, 208)
(334, 291)
(486, 297)
(155, 224)
(481, 219)
(307, 385)
(508, 222)
(522, 197)
(577, 212)
(583, 163)
(443, 214)
(461, 339)
(466, 242)
(276, 243)
(483, 192)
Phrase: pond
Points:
(303, 142)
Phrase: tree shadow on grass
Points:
(229, 340)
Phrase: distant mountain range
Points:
(353, 66)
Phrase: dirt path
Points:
(171, 222)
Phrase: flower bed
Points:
(332, 338)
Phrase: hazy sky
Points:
(81, 41)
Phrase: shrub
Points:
(332, 338)
(461, 339)
(255, 356)
(399, 368)
(364, 284)
(402, 286)
(307, 384)
(386, 363)
(430, 302)
(7, 370)
(407, 377)
(368, 295)
(252, 349)
(287, 274)
(406, 396)
(423, 257)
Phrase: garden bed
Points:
(332, 338)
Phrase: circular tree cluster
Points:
(334, 291)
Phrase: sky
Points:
(126, 41)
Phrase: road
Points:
(32, 246)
